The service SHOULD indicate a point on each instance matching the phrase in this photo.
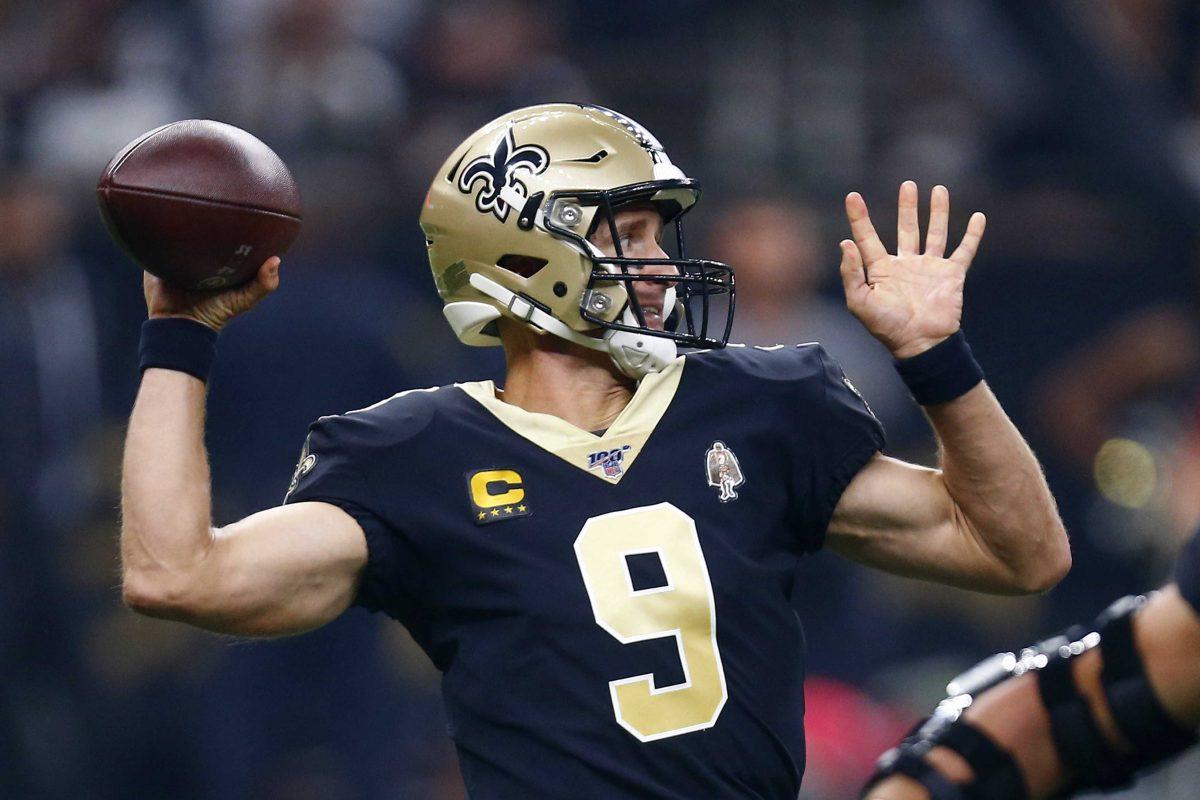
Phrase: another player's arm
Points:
(1166, 634)
(986, 519)
(277, 572)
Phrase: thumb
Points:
(854, 277)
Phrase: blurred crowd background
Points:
(1074, 124)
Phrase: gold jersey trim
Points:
(631, 428)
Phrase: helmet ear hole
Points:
(525, 266)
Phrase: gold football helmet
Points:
(507, 221)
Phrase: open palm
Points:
(910, 301)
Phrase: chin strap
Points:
(635, 354)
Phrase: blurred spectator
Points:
(1082, 397)
(475, 60)
(502, 54)
(123, 72)
(1185, 477)
(51, 324)
(783, 263)
(787, 94)
(1120, 412)
(303, 82)
(51, 404)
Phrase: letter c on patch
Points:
(483, 483)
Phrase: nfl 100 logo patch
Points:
(610, 462)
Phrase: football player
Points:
(1086, 709)
(608, 632)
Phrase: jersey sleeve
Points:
(1187, 572)
(333, 468)
(837, 435)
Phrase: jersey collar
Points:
(608, 456)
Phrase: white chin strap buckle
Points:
(635, 354)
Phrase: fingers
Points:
(265, 282)
(965, 252)
(939, 220)
(854, 277)
(869, 246)
(908, 233)
(268, 274)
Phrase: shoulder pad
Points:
(399, 418)
(774, 363)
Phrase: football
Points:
(199, 203)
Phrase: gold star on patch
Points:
(495, 512)
(521, 508)
(508, 509)
(482, 515)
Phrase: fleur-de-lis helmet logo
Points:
(498, 173)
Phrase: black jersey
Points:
(610, 611)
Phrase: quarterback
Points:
(598, 555)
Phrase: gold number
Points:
(683, 608)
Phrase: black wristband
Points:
(942, 373)
(183, 345)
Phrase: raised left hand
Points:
(912, 300)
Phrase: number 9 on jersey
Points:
(683, 608)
